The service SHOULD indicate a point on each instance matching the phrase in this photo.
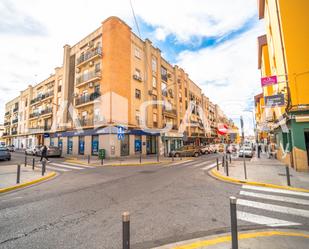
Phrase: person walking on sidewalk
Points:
(44, 153)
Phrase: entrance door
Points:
(125, 146)
(307, 145)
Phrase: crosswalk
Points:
(66, 166)
(279, 207)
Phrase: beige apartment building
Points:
(101, 99)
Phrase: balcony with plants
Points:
(86, 99)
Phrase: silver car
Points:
(247, 151)
(5, 154)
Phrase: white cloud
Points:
(228, 73)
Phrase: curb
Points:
(214, 173)
(25, 184)
(202, 243)
(116, 164)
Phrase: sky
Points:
(215, 41)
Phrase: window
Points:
(180, 97)
(95, 145)
(163, 73)
(81, 145)
(97, 88)
(137, 72)
(137, 93)
(70, 145)
(137, 116)
(163, 89)
(154, 64)
(97, 67)
(137, 53)
(154, 82)
(155, 120)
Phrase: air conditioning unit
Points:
(91, 63)
(91, 84)
(136, 77)
(77, 70)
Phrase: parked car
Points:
(247, 151)
(207, 149)
(213, 148)
(5, 154)
(34, 151)
(11, 148)
(187, 150)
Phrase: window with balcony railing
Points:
(89, 54)
(14, 121)
(88, 76)
(85, 98)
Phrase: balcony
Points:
(172, 112)
(87, 78)
(87, 98)
(42, 97)
(14, 132)
(84, 122)
(14, 121)
(43, 112)
(88, 56)
(15, 109)
(7, 113)
(7, 123)
(5, 134)
(137, 77)
(41, 127)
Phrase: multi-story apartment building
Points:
(283, 60)
(107, 81)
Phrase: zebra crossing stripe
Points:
(182, 162)
(57, 169)
(263, 220)
(75, 164)
(66, 166)
(274, 208)
(275, 198)
(209, 166)
(275, 190)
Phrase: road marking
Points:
(275, 197)
(79, 165)
(181, 162)
(209, 166)
(274, 208)
(66, 166)
(263, 220)
(57, 169)
(274, 190)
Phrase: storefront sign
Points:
(274, 100)
(267, 81)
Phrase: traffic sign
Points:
(120, 136)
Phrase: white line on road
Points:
(275, 190)
(57, 169)
(275, 197)
(274, 208)
(181, 162)
(66, 166)
(85, 166)
(263, 220)
(209, 166)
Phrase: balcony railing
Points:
(14, 120)
(87, 98)
(40, 127)
(43, 112)
(15, 109)
(173, 111)
(88, 55)
(7, 113)
(5, 134)
(43, 96)
(87, 77)
(7, 123)
(14, 132)
(84, 122)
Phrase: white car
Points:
(247, 151)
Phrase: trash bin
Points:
(102, 153)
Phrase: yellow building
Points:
(284, 53)
(107, 81)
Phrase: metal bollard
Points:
(227, 167)
(173, 157)
(88, 159)
(230, 158)
(223, 161)
(233, 211)
(140, 157)
(126, 230)
(102, 161)
(33, 162)
(18, 174)
(25, 161)
(288, 179)
(217, 163)
(43, 167)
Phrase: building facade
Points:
(283, 60)
(114, 92)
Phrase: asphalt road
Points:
(82, 209)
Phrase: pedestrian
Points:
(44, 153)
(259, 150)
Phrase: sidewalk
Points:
(266, 170)
(8, 176)
(124, 161)
(274, 239)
